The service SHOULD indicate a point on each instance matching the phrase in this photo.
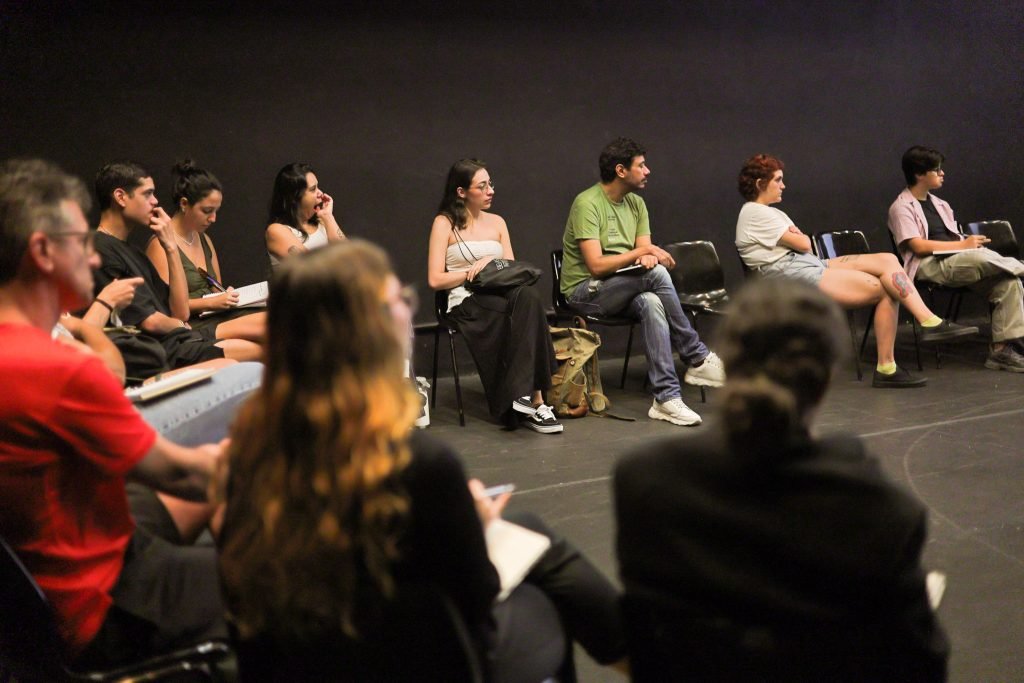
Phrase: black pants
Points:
(587, 612)
(507, 333)
(167, 596)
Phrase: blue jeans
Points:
(202, 413)
(651, 298)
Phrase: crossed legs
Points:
(864, 279)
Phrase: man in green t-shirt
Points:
(608, 230)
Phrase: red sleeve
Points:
(98, 423)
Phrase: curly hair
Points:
(315, 505)
(779, 346)
(618, 151)
(758, 168)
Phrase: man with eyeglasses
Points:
(69, 439)
(610, 266)
(923, 227)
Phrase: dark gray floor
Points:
(957, 444)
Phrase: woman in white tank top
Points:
(301, 214)
(507, 332)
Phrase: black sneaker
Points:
(524, 405)
(901, 379)
(543, 420)
(946, 330)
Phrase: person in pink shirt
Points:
(922, 224)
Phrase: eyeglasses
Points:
(937, 171)
(87, 239)
(482, 185)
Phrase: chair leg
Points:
(455, 374)
(917, 346)
(867, 331)
(703, 396)
(625, 363)
(853, 342)
(433, 375)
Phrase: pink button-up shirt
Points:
(907, 220)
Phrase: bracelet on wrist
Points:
(104, 304)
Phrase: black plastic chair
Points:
(441, 312)
(564, 311)
(1001, 233)
(31, 650)
(419, 636)
(836, 243)
(698, 277)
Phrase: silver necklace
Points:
(187, 243)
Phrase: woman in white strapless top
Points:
(301, 214)
(507, 333)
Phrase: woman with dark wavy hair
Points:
(301, 214)
(765, 552)
(333, 504)
(507, 332)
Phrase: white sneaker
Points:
(674, 411)
(710, 373)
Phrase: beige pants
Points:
(985, 272)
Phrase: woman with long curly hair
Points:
(333, 504)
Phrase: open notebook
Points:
(249, 295)
(513, 550)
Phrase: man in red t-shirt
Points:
(68, 441)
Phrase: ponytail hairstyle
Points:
(453, 207)
(192, 183)
(779, 346)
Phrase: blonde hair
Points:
(315, 505)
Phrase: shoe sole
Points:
(916, 384)
(543, 429)
(994, 365)
(946, 336)
(655, 414)
(523, 410)
(701, 382)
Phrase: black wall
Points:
(381, 97)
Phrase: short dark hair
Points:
(618, 151)
(755, 169)
(126, 175)
(919, 160)
(31, 193)
(192, 183)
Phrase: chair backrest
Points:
(840, 243)
(667, 643)
(441, 304)
(1001, 234)
(747, 271)
(698, 270)
(422, 637)
(30, 647)
(557, 298)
